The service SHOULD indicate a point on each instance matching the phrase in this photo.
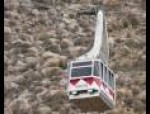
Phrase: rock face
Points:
(40, 39)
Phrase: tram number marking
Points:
(80, 86)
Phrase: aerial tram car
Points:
(92, 84)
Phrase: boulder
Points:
(35, 12)
(43, 110)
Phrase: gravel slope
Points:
(38, 40)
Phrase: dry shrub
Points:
(57, 100)
(50, 71)
(42, 109)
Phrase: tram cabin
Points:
(91, 85)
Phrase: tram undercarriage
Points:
(92, 104)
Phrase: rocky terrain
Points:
(40, 36)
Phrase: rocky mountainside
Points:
(40, 36)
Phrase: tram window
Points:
(82, 63)
(111, 80)
(81, 71)
(96, 68)
(101, 70)
(105, 74)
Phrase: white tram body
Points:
(91, 84)
(91, 81)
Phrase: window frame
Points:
(79, 67)
(101, 70)
(105, 74)
(98, 62)
(112, 76)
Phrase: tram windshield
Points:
(81, 71)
